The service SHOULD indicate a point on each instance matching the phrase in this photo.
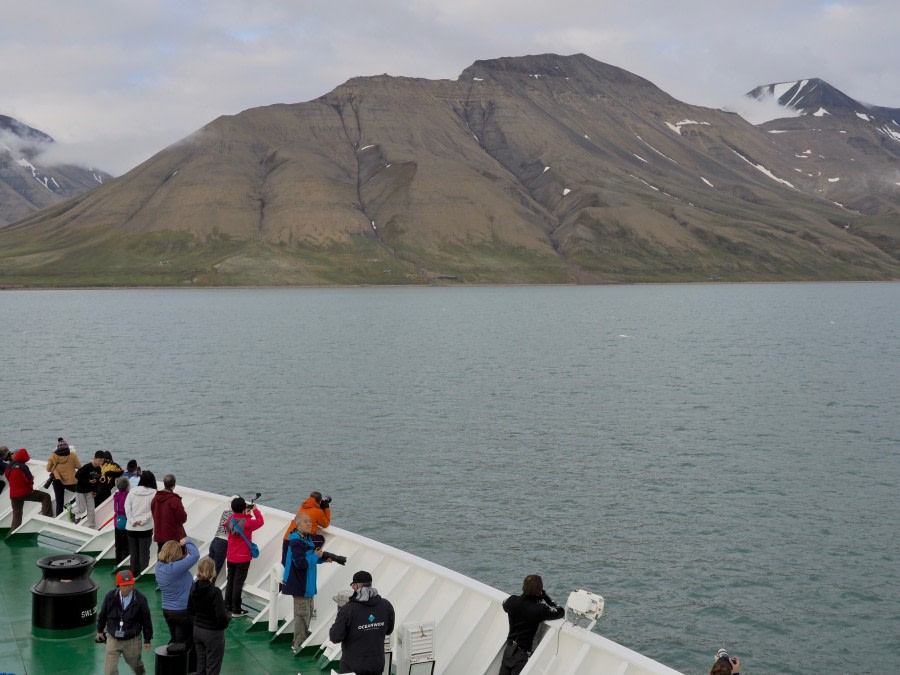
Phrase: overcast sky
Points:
(115, 81)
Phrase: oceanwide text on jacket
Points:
(360, 627)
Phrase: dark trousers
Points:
(59, 492)
(181, 630)
(210, 646)
(217, 551)
(348, 669)
(514, 659)
(139, 549)
(18, 503)
(121, 545)
(237, 575)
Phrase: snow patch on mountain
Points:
(764, 170)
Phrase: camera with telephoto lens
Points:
(325, 502)
(339, 559)
(722, 654)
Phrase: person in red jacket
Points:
(21, 489)
(240, 531)
(168, 513)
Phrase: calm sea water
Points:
(720, 462)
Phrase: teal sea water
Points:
(720, 462)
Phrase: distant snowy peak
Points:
(808, 97)
(817, 98)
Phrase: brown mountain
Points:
(27, 182)
(542, 169)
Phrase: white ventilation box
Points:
(415, 648)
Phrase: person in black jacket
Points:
(206, 606)
(361, 626)
(123, 616)
(87, 478)
(526, 612)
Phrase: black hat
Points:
(362, 577)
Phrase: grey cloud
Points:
(123, 80)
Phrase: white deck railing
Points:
(470, 624)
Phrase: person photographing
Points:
(725, 664)
(525, 613)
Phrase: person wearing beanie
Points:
(62, 465)
(124, 614)
(21, 489)
(361, 626)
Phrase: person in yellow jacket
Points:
(62, 465)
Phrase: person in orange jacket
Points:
(318, 508)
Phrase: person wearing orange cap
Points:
(123, 616)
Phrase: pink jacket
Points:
(238, 551)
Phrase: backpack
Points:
(232, 526)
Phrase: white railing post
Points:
(274, 578)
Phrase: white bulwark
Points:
(463, 618)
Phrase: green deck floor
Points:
(246, 651)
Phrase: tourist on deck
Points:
(87, 478)
(120, 518)
(109, 472)
(240, 536)
(725, 664)
(218, 547)
(173, 574)
(124, 614)
(5, 459)
(62, 465)
(361, 626)
(526, 612)
(139, 525)
(318, 508)
(300, 576)
(21, 489)
(132, 472)
(207, 608)
(169, 515)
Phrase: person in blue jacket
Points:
(300, 563)
(173, 574)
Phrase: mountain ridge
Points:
(537, 169)
(27, 182)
